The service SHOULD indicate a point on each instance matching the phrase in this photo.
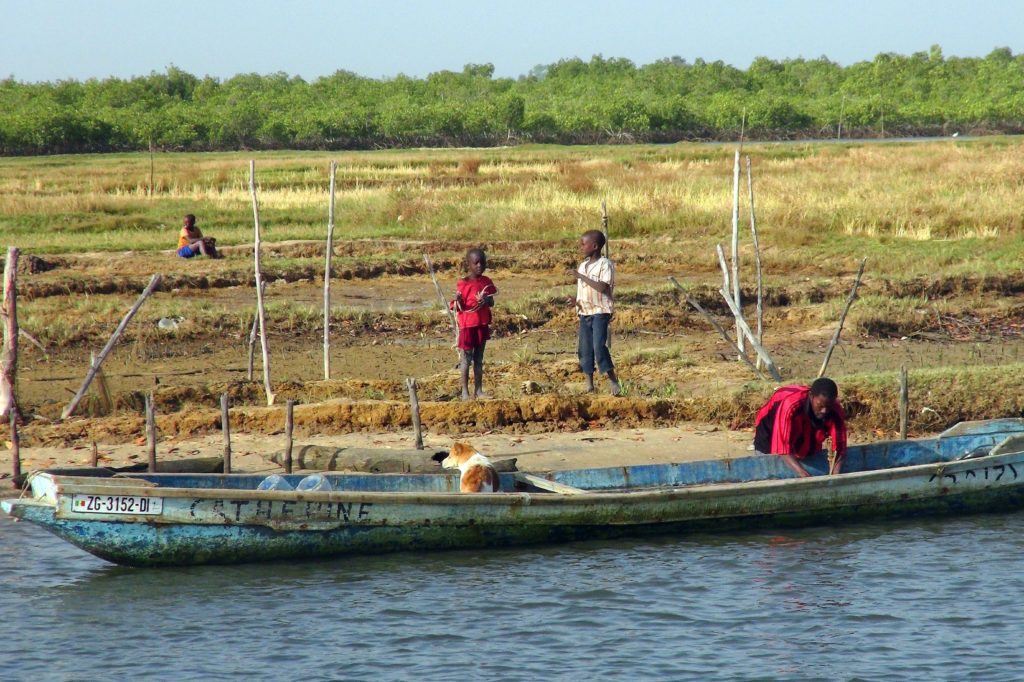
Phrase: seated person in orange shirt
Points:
(191, 241)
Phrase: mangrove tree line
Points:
(571, 101)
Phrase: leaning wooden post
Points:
(721, 331)
(151, 432)
(414, 406)
(736, 241)
(842, 319)
(757, 257)
(9, 358)
(725, 268)
(288, 423)
(327, 277)
(904, 402)
(94, 456)
(225, 427)
(101, 386)
(153, 283)
(261, 310)
(758, 348)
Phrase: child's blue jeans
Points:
(594, 343)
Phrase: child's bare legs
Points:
(464, 359)
(478, 371)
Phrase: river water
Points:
(916, 600)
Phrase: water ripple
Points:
(920, 600)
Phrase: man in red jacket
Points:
(796, 420)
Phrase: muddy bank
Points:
(940, 398)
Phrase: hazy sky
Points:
(45, 40)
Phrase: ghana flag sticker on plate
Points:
(117, 504)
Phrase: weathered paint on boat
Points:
(223, 519)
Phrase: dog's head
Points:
(458, 455)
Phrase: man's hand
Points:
(796, 466)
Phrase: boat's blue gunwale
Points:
(97, 487)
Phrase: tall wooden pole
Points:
(736, 240)
(757, 257)
(261, 310)
(289, 421)
(607, 254)
(153, 283)
(9, 357)
(327, 277)
(151, 432)
(225, 427)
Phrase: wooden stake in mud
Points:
(842, 319)
(153, 283)
(261, 309)
(94, 457)
(441, 297)
(904, 402)
(736, 241)
(757, 258)
(288, 423)
(9, 357)
(414, 405)
(151, 432)
(327, 277)
(225, 427)
(721, 331)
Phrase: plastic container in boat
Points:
(314, 482)
(274, 482)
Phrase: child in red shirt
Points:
(473, 304)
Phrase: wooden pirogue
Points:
(181, 519)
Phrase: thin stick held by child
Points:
(473, 303)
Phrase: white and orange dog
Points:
(477, 475)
